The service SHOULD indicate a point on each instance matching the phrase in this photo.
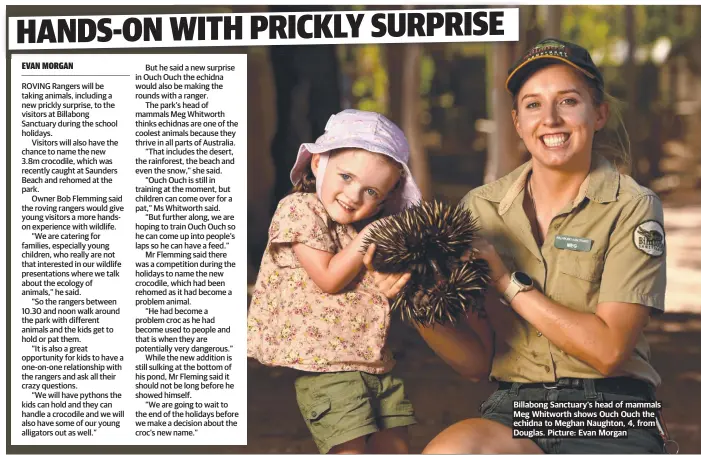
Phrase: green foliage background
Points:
(596, 27)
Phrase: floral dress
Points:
(292, 323)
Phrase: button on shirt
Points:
(605, 246)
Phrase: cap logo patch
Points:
(549, 47)
(649, 238)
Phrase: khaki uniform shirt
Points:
(607, 245)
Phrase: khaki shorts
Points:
(339, 407)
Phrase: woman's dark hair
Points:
(612, 141)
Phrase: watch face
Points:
(523, 278)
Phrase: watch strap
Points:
(511, 290)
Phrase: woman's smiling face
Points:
(556, 117)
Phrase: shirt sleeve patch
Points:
(649, 238)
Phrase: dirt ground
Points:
(441, 397)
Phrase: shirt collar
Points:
(601, 185)
(604, 181)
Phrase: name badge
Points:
(566, 242)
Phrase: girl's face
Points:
(355, 184)
(556, 118)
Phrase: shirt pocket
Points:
(317, 410)
(579, 280)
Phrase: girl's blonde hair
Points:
(307, 184)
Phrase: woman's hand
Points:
(498, 272)
(389, 283)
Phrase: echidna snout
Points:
(439, 276)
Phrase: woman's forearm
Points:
(601, 340)
(467, 347)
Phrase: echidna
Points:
(428, 240)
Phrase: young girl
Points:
(314, 309)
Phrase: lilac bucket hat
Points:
(368, 131)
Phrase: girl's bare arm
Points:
(332, 272)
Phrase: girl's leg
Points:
(357, 445)
(479, 436)
(390, 440)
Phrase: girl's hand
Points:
(389, 283)
(498, 272)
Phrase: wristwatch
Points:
(520, 282)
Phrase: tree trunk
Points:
(503, 151)
(394, 56)
(553, 22)
(410, 117)
(631, 117)
(529, 32)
